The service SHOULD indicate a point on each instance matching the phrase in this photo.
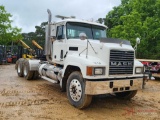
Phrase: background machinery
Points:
(27, 52)
(2, 54)
(38, 51)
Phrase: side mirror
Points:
(138, 40)
(82, 36)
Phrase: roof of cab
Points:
(82, 21)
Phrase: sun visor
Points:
(113, 40)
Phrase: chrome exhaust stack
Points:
(47, 49)
(48, 43)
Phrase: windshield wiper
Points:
(87, 49)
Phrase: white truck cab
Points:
(85, 62)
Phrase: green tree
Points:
(28, 37)
(137, 18)
(38, 35)
(101, 20)
(7, 32)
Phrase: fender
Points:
(33, 64)
(82, 62)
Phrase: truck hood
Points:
(112, 43)
(97, 49)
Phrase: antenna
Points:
(64, 17)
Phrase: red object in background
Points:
(154, 66)
(146, 63)
(14, 56)
(9, 60)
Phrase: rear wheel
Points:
(19, 67)
(157, 78)
(26, 71)
(36, 75)
(126, 95)
(76, 91)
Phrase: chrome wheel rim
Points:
(25, 71)
(19, 68)
(75, 90)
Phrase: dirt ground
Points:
(41, 100)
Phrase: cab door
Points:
(59, 47)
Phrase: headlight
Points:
(139, 70)
(98, 71)
(91, 71)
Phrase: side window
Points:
(60, 34)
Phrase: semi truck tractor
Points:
(84, 62)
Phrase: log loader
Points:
(37, 45)
(31, 51)
(84, 62)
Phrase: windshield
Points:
(92, 31)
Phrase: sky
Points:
(26, 14)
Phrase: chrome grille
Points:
(121, 62)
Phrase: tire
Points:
(28, 75)
(19, 67)
(76, 91)
(126, 95)
(157, 78)
(35, 75)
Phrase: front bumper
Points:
(112, 86)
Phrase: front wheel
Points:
(76, 91)
(126, 95)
